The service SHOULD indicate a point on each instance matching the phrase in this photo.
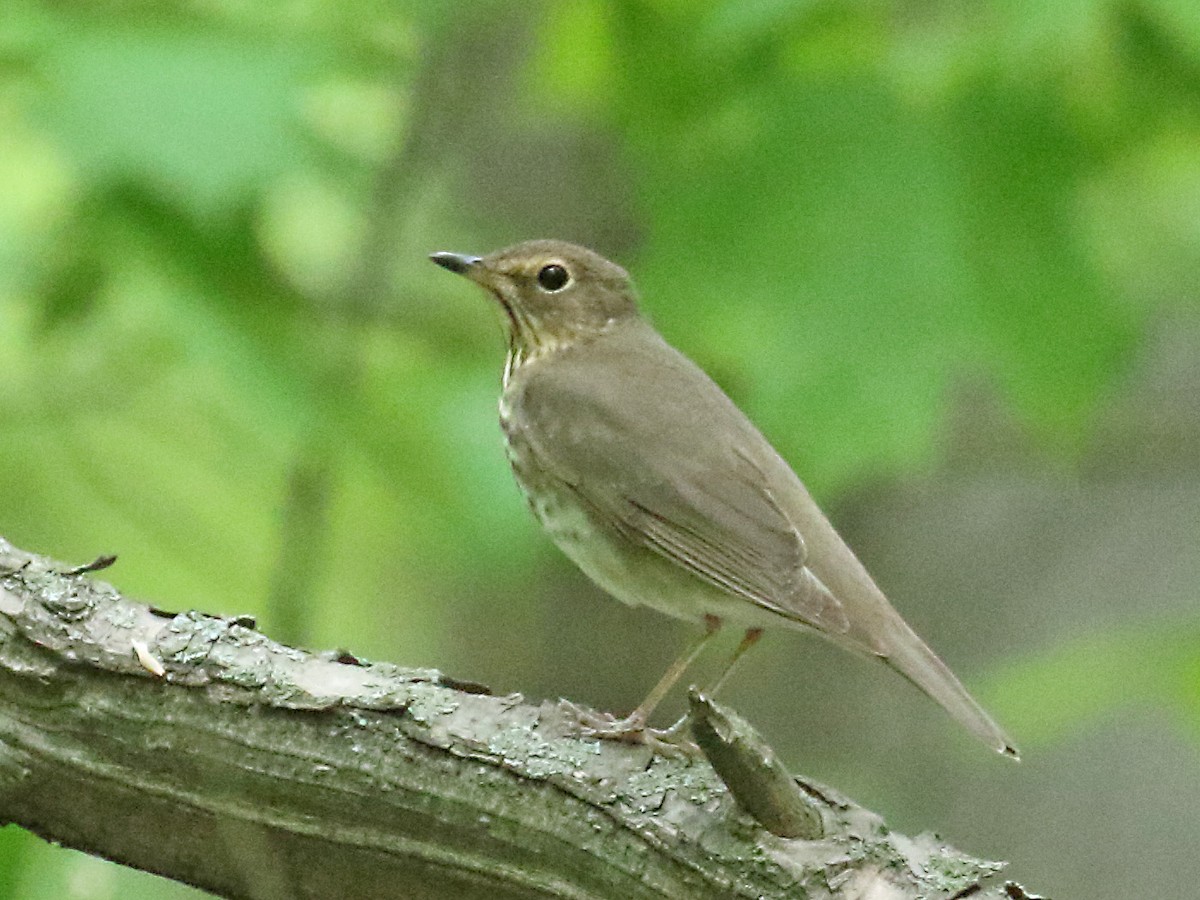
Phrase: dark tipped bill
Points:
(459, 263)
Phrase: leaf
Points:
(201, 114)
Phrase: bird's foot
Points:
(673, 741)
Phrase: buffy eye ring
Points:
(553, 277)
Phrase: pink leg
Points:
(633, 727)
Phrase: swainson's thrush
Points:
(662, 491)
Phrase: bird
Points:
(661, 490)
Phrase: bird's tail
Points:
(909, 655)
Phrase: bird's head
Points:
(553, 293)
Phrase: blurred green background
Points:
(946, 254)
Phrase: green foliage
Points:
(1124, 671)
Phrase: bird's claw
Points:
(632, 729)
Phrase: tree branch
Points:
(194, 747)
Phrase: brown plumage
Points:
(648, 476)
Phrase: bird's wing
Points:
(660, 455)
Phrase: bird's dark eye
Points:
(553, 277)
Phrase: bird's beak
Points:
(459, 263)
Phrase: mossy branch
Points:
(195, 747)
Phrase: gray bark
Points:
(194, 747)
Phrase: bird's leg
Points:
(749, 639)
(633, 728)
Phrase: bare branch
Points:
(195, 747)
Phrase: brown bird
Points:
(661, 490)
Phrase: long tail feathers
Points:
(909, 655)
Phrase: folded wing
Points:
(667, 460)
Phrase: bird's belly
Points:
(633, 574)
